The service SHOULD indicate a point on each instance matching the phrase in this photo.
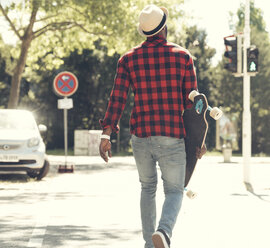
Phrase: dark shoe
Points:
(160, 239)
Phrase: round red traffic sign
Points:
(65, 84)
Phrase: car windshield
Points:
(17, 120)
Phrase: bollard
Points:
(227, 153)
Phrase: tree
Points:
(228, 89)
(5, 79)
(94, 63)
(260, 84)
(69, 25)
(95, 71)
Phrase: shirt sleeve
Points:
(189, 81)
(118, 98)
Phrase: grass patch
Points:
(60, 152)
(122, 153)
(130, 153)
(213, 153)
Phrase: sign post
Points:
(246, 147)
(65, 84)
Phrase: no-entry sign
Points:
(65, 84)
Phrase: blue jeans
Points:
(171, 156)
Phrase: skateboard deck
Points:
(196, 127)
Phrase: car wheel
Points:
(32, 174)
(44, 171)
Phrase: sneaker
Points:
(160, 239)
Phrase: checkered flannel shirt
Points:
(161, 75)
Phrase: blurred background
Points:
(39, 39)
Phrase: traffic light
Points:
(252, 59)
(231, 53)
(234, 52)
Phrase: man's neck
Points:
(159, 35)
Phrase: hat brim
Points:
(166, 12)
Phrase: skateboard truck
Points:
(215, 112)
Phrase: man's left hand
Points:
(200, 151)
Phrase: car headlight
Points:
(33, 142)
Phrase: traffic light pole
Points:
(246, 138)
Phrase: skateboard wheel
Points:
(192, 95)
(216, 113)
(191, 195)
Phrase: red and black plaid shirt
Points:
(161, 75)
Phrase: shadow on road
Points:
(69, 235)
(62, 235)
(78, 168)
(13, 234)
(250, 189)
(15, 178)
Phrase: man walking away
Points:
(161, 75)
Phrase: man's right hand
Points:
(104, 147)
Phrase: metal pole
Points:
(218, 147)
(118, 140)
(65, 134)
(246, 140)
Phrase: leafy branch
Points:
(54, 27)
(64, 26)
(10, 22)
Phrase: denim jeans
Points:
(171, 157)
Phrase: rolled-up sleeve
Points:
(189, 81)
(118, 97)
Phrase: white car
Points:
(22, 149)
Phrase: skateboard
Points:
(196, 127)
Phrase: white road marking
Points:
(43, 218)
(35, 242)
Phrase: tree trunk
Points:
(18, 71)
(17, 75)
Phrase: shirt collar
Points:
(155, 40)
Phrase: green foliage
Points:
(228, 90)
(202, 54)
(56, 28)
(63, 26)
(260, 88)
(86, 47)
(5, 78)
(87, 38)
(256, 18)
(95, 72)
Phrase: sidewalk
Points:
(224, 213)
(259, 168)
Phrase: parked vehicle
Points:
(22, 149)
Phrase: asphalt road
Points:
(98, 206)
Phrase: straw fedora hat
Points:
(152, 19)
